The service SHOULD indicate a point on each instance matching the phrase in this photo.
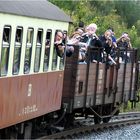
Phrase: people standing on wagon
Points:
(114, 40)
(124, 45)
(90, 33)
(92, 41)
(74, 41)
(107, 44)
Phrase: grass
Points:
(129, 107)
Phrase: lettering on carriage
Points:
(100, 74)
(28, 109)
(98, 99)
(29, 90)
(78, 103)
(133, 70)
(60, 75)
(99, 87)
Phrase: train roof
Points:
(34, 8)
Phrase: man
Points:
(60, 46)
(124, 44)
(124, 41)
(92, 41)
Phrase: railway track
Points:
(88, 126)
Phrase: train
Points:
(41, 91)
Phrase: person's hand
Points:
(109, 41)
(73, 41)
(58, 42)
(95, 36)
(47, 46)
(127, 39)
(61, 47)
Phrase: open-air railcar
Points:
(100, 89)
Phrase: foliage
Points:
(123, 16)
(129, 10)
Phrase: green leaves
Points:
(119, 14)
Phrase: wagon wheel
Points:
(9, 133)
(117, 112)
(97, 120)
(106, 120)
(68, 121)
(51, 130)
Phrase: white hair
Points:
(92, 25)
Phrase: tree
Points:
(121, 15)
(129, 10)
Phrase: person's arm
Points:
(114, 44)
(69, 51)
(110, 58)
(60, 48)
(119, 39)
(83, 46)
(129, 45)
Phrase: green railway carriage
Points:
(21, 18)
(30, 80)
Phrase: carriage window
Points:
(38, 50)
(28, 50)
(54, 59)
(39, 37)
(18, 36)
(17, 50)
(6, 35)
(62, 59)
(5, 50)
(47, 49)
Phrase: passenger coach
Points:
(30, 79)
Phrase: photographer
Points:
(75, 41)
(61, 47)
(92, 41)
(58, 43)
(124, 44)
(124, 41)
(107, 44)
